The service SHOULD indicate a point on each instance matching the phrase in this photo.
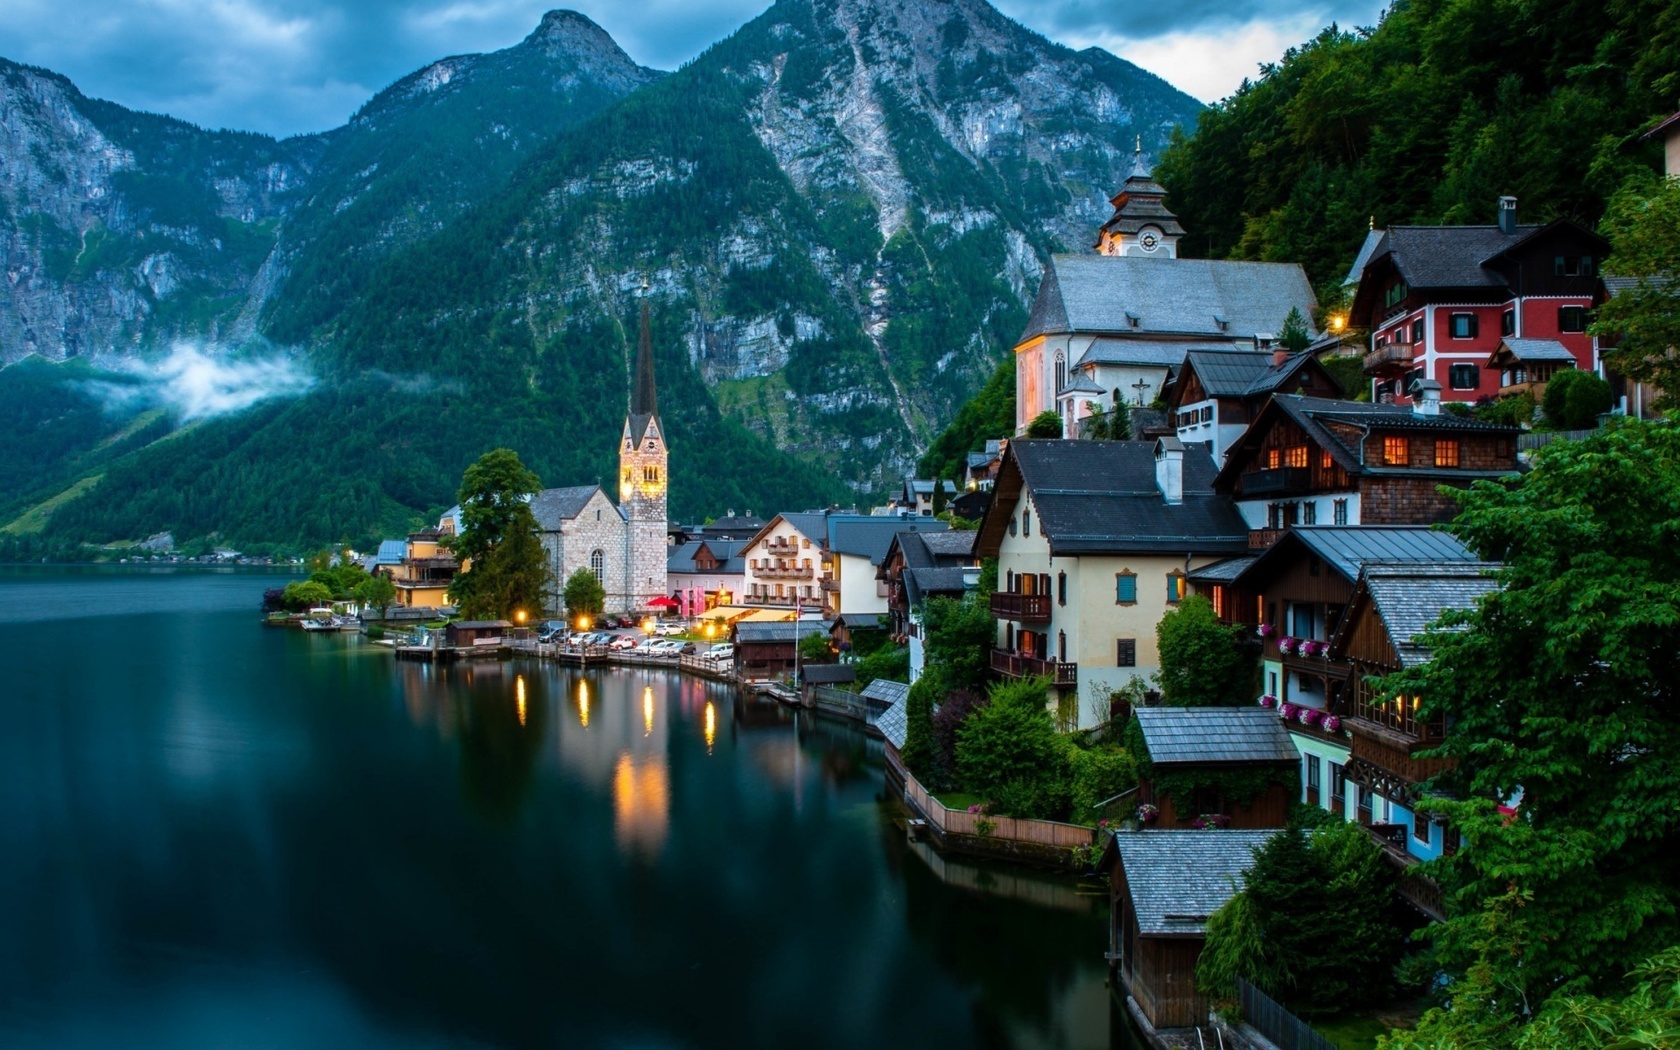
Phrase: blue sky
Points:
(290, 66)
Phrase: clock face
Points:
(1149, 241)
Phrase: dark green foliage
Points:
(375, 592)
(1426, 118)
(1642, 322)
(814, 649)
(940, 499)
(891, 662)
(1045, 425)
(987, 416)
(1349, 373)
(959, 638)
(1096, 775)
(953, 714)
(306, 594)
(1563, 684)
(1514, 411)
(1204, 662)
(1322, 913)
(1009, 753)
(920, 752)
(507, 572)
(1100, 425)
(1294, 334)
(584, 595)
(1574, 399)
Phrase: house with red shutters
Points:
(1478, 309)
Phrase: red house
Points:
(1440, 301)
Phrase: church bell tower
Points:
(642, 481)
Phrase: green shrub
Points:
(1098, 774)
(1204, 662)
(1008, 752)
(1574, 399)
(891, 662)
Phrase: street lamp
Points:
(519, 617)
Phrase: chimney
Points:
(1507, 215)
(1169, 469)
(1426, 398)
(1279, 356)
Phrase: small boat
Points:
(328, 624)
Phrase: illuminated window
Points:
(598, 564)
(1397, 451)
(1271, 459)
(1175, 587)
(1219, 600)
(1446, 453)
(1297, 456)
(1324, 460)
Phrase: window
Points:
(1125, 652)
(1417, 330)
(1338, 784)
(1397, 451)
(1312, 780)
(1338, 512)
(1572, 266)
(1125, 588)
(1449, 841)
(1325, 462)
(1464, 377)
(1061, 588)
(1508, 323)
(1272, 459)
(1297, 456)
(1420, 826)
(1462, 326)
(1395, 295)
(1175, 587)
(1061, 373)
(1026, 523)
(1207, 414)
(1446, 452)
(1365, 800)
(1219, 600)
(1309, 512)
(1012, 526)
(1572, 319)
(598, 564)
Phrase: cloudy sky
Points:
(289, 66)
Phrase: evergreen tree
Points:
(940, 500)
(505, 569)
(1295, 336)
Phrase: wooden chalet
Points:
(1202, 746)
(1216, 394)
(463, 634)
(922, 565)
(1525, 366)
(1163, 885)
(769, 650)
(1383, 631)
(1311, 461)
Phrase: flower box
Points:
(1287, 711)
(1268, 701)
(1147, 814)
(1313, 647)
(1331, 724)
(1287, 645)
(1266, 630)
(1310, 716)
(1210, 821)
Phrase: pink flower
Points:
(1268, 701)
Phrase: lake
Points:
(221, 835)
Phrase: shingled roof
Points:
(893, 723)
(1349, 548)
(1411, 597)
(749, 632)
(1207, 735)
(1098, 497)
(1176, 879)
(552, 506)
(1533, 350)
(1242, 373)
(1134, 295)
(871, 536)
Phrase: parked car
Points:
(668, 629)
(686, 649)
(721, 651)
(623, 641)
(609, 622)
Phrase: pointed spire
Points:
(644, 404)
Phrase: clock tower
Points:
(1141, 224)
(642, 481)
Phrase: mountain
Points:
(837, 213)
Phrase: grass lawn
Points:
(958, 800)
(1353, 1033)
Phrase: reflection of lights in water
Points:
(711, 725)
(641, 802)
(519, 694)
(583, 703)
(647, 710)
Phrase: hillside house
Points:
(1214, 397)
(919, 566)
(1094, 540)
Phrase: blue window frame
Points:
(1125, 589)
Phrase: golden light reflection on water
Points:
(641, 794)
(583, 702)
(647, 711)
(519, 694)
(711, 725)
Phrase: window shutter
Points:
(1125, 588)
(1125, 652)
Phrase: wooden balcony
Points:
(781, 548)
(1400, 720)
(1276, 481)
(1022, 608)
(785, 572)
(1416, 889)
(1393, 359)
(1017, 666)
(1261, 539)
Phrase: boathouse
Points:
(1163, 885)
(1226, 766)
(466, 633)
(769, 650)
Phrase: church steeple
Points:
(642, 480)
(1141, 224)
(644, 399)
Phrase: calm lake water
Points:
(218, 835)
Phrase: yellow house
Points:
(422, 578)
(1093, 540)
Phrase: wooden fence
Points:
(1007, 829)
(1284, 1029)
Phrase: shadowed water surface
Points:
(217, 835)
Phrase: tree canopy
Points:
(1642, 321)
(1204, 662)
(584, 594)
(505, 568)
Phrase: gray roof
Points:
(1223, 571)
(1220, 299)
(1373, 238)
(885, 691)
(870, 536)
(1449, 256)
(893, 722)
(680, 557)
(1176, 879)
(1349, 548)
(828, 674)
(1160, 353)
(552, 506)
(779, 630)
(1203, 735)
(733, 526)
(478, 625)
(1411, 597)
(1536, 349)
(1080, 383)
(952, 543)
(1242, 373)
(1101, 497)
(920, 584)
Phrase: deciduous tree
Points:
(506, 569)
(584, 594)
(1643, 321)
(1204, 662)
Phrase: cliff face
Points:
(838, 213)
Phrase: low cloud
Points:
(193, 384)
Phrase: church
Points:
(624, 545)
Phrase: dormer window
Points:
(1221, 324)
(1133, 319)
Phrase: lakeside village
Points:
(1347, 703)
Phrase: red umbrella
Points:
(662, 602)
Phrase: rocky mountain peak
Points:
(575, 35)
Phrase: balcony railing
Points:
(1022, 608)
(776, 547)
(1394, 356)
(1260, 539)
(785, 572)
(830, 584)
(1415, 888)
(1017, 666)
(1276, 481)
(1401, 717)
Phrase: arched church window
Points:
(598, 564)
(1061, 372)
